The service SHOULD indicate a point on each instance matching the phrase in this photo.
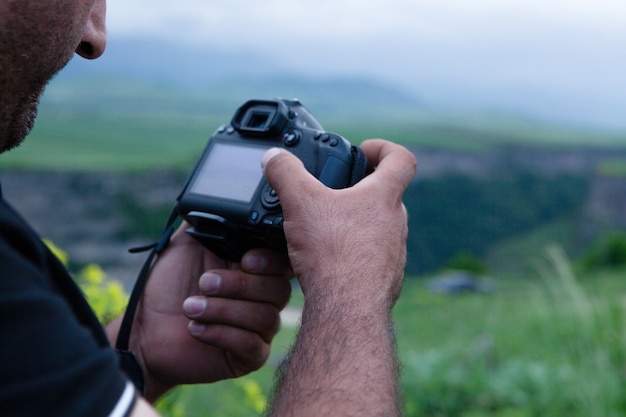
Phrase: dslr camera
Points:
(227, 201)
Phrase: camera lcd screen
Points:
(230, 171)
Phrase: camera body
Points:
(227, 201)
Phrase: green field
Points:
(550, 345)
(83, 142)
(70, 139)
(118, 123)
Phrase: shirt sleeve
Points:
(50, 362)
(126, 403)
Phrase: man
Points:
(199, 321)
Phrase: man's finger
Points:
(266, 262)
(395, 165)
(239, 285)
(260, 318)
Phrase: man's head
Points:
(37, 39)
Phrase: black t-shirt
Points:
(55, 359)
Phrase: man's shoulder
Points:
(54, 343)
(20, 246)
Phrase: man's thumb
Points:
(281, 167)
(269, 155)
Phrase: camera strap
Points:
(127, 360)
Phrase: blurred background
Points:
(547, 60)
(515, 110)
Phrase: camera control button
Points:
(254, 217)
(230, 130)
(273, 221)
(291, 138)
(317, 136)
(334, 142)
(325, 137)
(270, 198)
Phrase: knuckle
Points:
(217, 311)
(236, 284)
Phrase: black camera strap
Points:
(127, 360)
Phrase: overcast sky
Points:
(476, 49)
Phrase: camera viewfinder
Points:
(258, 120)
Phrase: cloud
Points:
(480, 51)
(446, 20)
(410, 34)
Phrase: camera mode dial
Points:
(270, 198)
(291, 138)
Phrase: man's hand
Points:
(201, 320)
(348, 251)
(349, 242)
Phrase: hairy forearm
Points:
(344, 362)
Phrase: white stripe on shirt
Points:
(126, 401)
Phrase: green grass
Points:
(70, 138)
(613, 168)
(518, 255)
(469, 132)
(552, 345)
(546, 348)
(84, 142)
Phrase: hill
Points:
(123, 123)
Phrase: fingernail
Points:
(195, 328)
(210, 282)
(269, 154)
(194, 305)
(254, 263)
